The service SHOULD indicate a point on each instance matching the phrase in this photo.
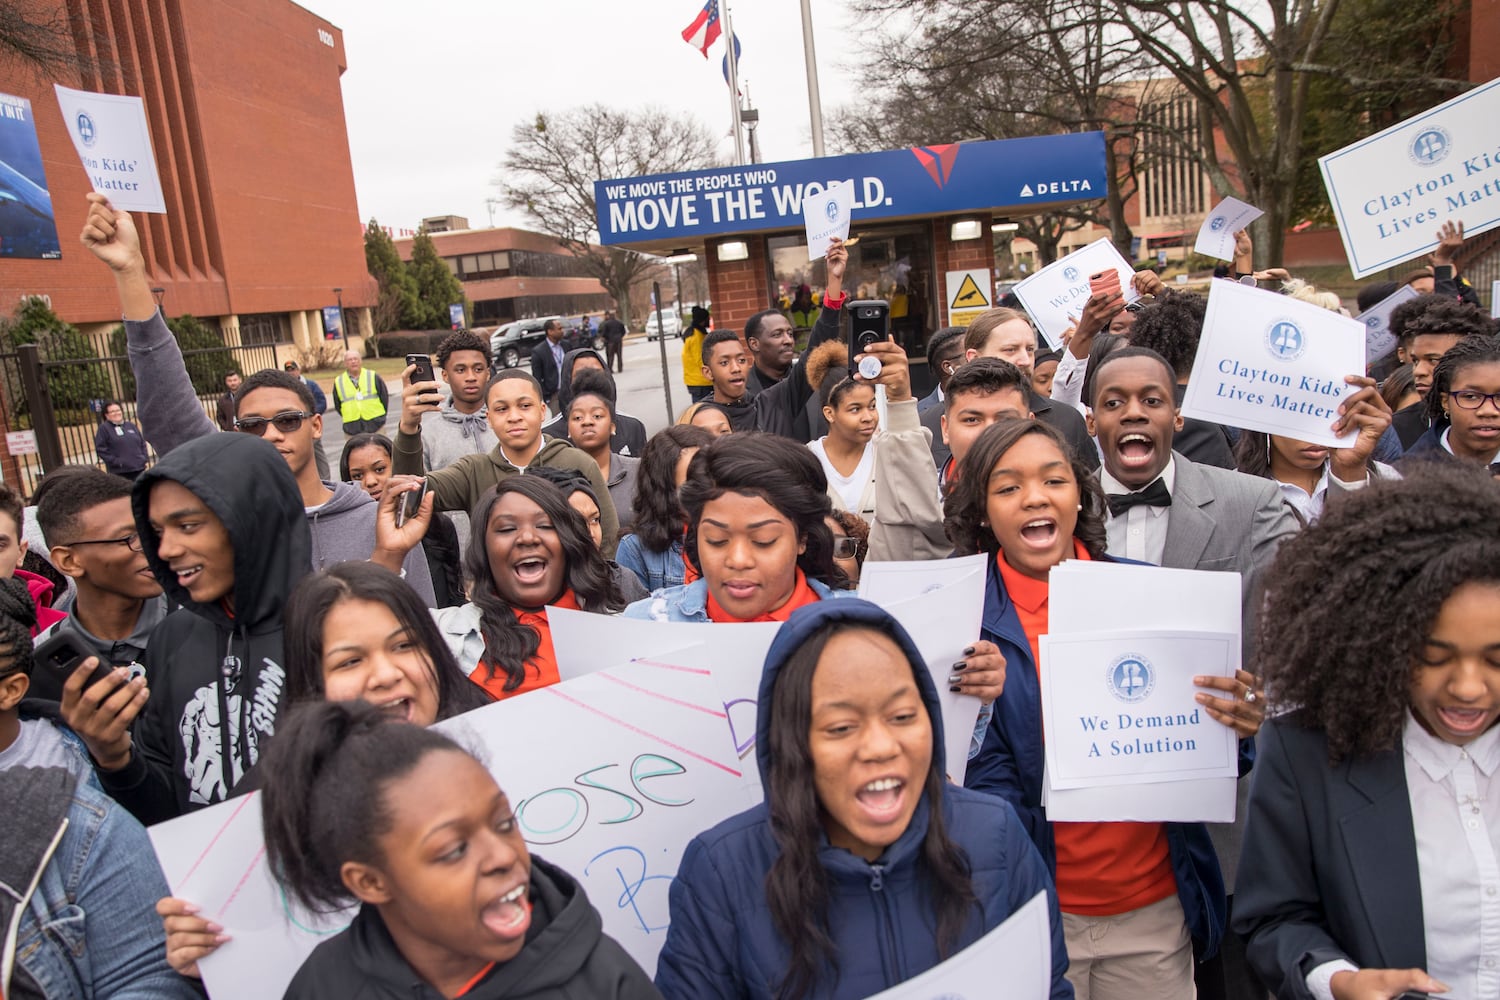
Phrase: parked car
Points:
(511, 344)
(669, 321)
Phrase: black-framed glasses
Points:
(131, 541)
(289, 422)
(1469, 399)
(845, 548)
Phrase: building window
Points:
(1175, 185)
(481, 266)
(265, 328)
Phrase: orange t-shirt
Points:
(541, 669)
(1102, 868)
(801, 594)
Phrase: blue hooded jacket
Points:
(722, 941)
(1010, 764)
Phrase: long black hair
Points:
(659, 517)
(324, 802)
(1252, 454)
(783, 473)
(315, 596)
(507, 643)
(965, 512)
(797, 886)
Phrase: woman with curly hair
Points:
(1463, 406)
(1374, 819)
(1138, 899)
(529, 550)
(651, 545)
(863, 867)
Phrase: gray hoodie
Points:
(343, 530)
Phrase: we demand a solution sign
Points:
(923, 180)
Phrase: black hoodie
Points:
(629, 436)
(566, 957)
(216, 680)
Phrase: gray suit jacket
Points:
(1335, 858)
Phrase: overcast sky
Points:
(432, 91)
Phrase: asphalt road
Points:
(640, 394)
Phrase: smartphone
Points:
(869, 323)
(410, 504)
(62, 654)
(1105, 282)
(424, 368)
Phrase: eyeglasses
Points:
(1468, 399)
(131, 541)
(289, 422)
(845, 548)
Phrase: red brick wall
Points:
(1312, 246)
(961, 256)
(739, 288)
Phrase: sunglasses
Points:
(845, 548)
(286, 423)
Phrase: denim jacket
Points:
(689, 603)
(654, 569)
(89, 927)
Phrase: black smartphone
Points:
(410, 504)
(424, 368)
(869, 323)
(61, 655)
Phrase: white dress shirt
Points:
(1067, 381)
(1456, 819)
(1449, 448)
(1141, 532)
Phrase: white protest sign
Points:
(1216, 235)
(1119, 707)
(1379, 339)
(1022, 946)
(584, 642)
(1495, 298)
(1392, 191)
(1055, 296)
(967, 295)
(610, 776)
(826, 217)
(114, 143)
(1270, 363)
(1085, 597)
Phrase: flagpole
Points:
(814, 99)
(734, 89)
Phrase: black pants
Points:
(1227, 976)
(614, 355)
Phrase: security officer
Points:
(360, 397)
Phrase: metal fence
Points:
(62, 400)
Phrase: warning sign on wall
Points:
(968, 295)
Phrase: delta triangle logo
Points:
(1026, 191)
(937, 161)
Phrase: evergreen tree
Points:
(399, 306)
(437, 287)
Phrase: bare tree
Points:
(46, 38)
(554, 160)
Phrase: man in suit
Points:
(1007, 334)
(225, 414)
(547, 362)
(613, 332)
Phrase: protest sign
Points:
(1270, 363)
(1055, 296)
(1392, 191)
(609, 777)
(1379, 338)
(1021, 946)
(114, 143)
(1085, 597)
(27, 229)
(1216, 235)
(1495, 298)
(826, 216)
(1119, 707)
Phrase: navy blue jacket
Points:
(120, 447)
(1011, 760)
(722, 942)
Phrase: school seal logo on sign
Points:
(1431, 145)
(831, 209)
(1071, 273)
(1217, 223)
(1285, 340)
(86, 130)
(1130, 678)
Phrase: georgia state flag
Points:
(704, 30)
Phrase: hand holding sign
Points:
(826, 217)
(109, 132)
(1366, 414)
(1221, 232)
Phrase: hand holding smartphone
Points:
(1104, 283)
(410, 504)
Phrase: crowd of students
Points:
(253, 626)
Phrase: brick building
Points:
(247, 123)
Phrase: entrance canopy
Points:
(1010, 176)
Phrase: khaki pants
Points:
(1130, 956)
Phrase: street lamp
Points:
(338, 293)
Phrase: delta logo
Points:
(1055, 187)
(937, 161)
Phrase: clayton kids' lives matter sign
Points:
(1273, 364)
(114, 144)
(1392, 191)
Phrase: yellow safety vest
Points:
(360, 402)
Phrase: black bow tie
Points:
(1155, 495)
